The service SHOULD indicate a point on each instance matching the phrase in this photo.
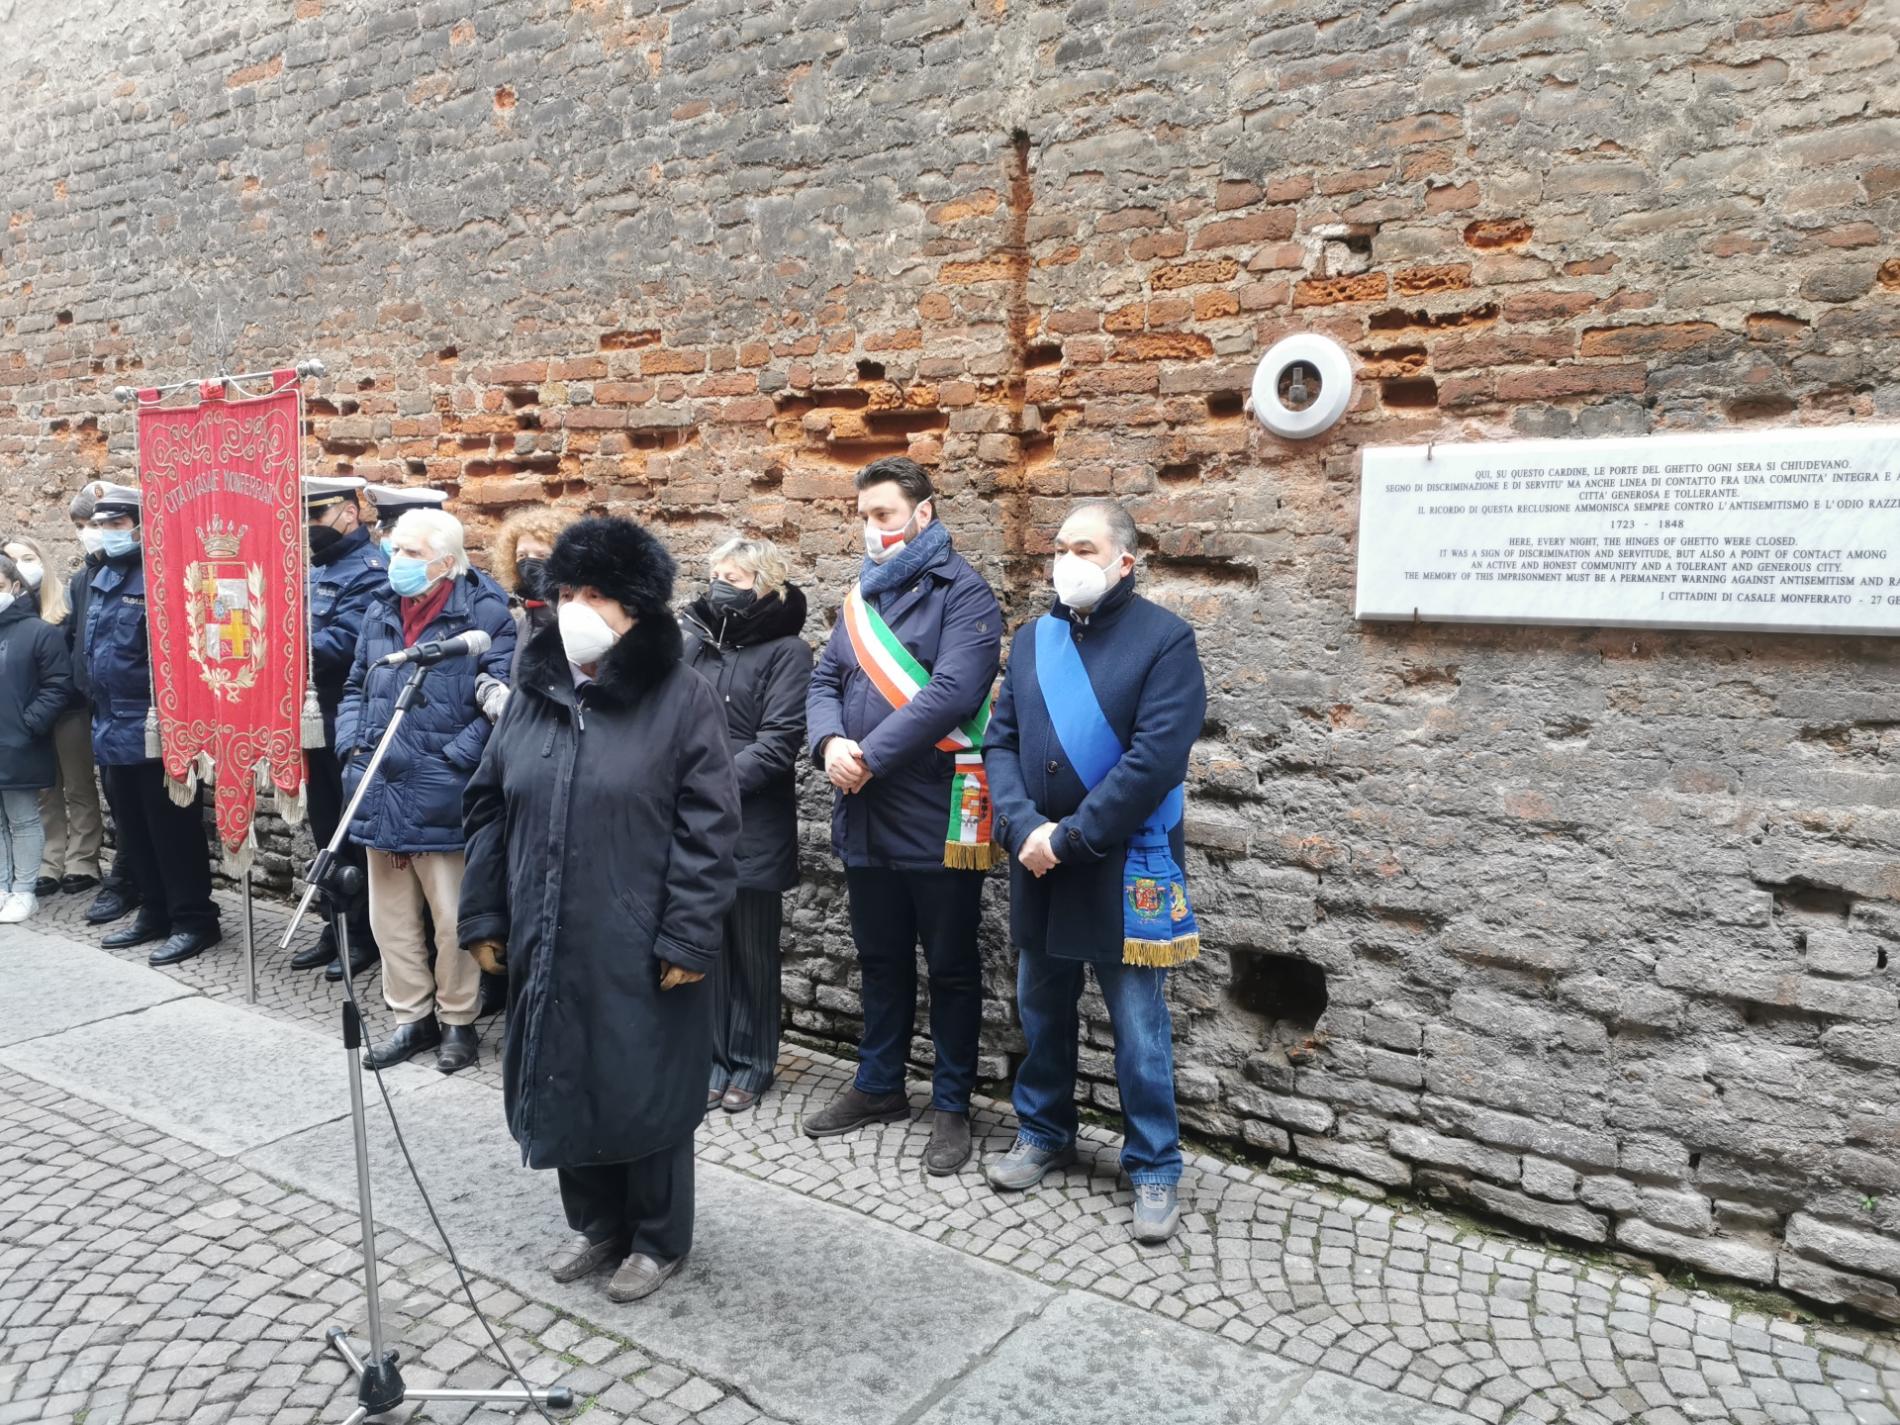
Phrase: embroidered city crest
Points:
(226, 611)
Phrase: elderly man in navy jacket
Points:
(1087, 753)
(896, 712)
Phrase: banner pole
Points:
(250, 943)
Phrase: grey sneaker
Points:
(1025, 1165)
(1157, 1212)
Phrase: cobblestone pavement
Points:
(1391, 1293)
(143, 1279)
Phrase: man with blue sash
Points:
(1086, 751)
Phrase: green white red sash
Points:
(898, 677)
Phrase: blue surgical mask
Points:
(389, 548)
(117, 543)
(408, 575)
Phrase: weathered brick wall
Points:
(1604, 918)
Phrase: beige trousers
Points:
(69, 809)
(398, 889)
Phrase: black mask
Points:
(725, 600)
(531, 579)
(322, 538)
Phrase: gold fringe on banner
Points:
(960, 856)
(1161, 954)
(237, 864)
(292, 808)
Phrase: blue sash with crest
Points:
(1158, 926)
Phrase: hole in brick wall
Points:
(1359, 242)
(1179, 472)
(57, 426)
(97, 367)
(1766, 407)
(870, 371)
(521, 396)
(447, 353)
(1395, 319)
(416, 467)
(1411, 392)
(349, 408)
(905, 422)
(346, 447)
(1880, 957)
(1807, 898)
(662, 439)
(319, 406)
(1226, 405)
(1281, 989)
(1045, 354)
(770, 478)
(368, 383)
(1038, 448)
(527, 420)
(64, 319)
(1300, 386)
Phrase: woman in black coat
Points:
(36, 685)
(743, 638)
(600, 828)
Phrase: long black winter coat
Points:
(600, 829)
(36, 686)
(760, 668)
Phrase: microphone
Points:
(467, 645)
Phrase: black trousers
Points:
(163, 846)
(324, 804)
(891, 911)
(746, 994)
(648, 1202)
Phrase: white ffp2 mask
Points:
(1080, 583)
(584, 633)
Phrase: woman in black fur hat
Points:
(601, 830)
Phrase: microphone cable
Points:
(389, 1107)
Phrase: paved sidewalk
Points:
(176, 1225)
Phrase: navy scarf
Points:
(930, 548)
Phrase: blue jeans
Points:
(22, 841)
(1047, 989)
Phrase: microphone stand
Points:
(379, 1383)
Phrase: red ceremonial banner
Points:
(221, 487)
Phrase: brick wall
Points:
(1591, 929)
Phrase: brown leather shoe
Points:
(854, 1109)
(640, 1275)
(580, 1257)
(737, 1100)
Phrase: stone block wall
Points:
(1592, 929)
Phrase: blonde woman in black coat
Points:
(742, 636)
(600, 833)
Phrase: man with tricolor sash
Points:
(897, 711)
(1087, 752)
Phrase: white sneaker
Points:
(18, 907)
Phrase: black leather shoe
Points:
(459, 1047)
(139, 932)
(73, 885)
(493, 998)
(111, 904)
(405, 1043)
(363, 956)
(312, 956)
(183, 946)
(46, 886)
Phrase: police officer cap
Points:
(392, 500)
(320, 492)
(113, 501)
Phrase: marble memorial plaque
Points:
(1793, 530)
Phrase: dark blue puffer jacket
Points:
(415, 804)
(344, 580)
(118, 661)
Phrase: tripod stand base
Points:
(379, 1386)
